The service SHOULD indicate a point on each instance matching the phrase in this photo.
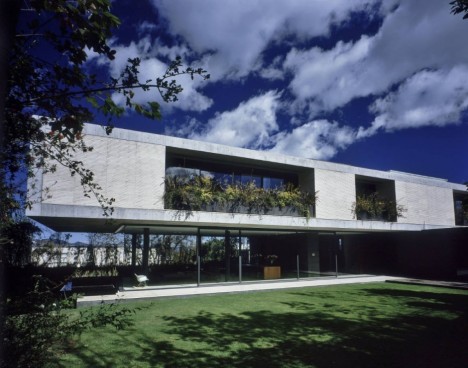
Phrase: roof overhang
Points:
(67, 218)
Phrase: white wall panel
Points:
(425, 204)
(131, 172)
(336, 194)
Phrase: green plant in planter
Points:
(202, 192)
(176, 194)
(306, 203)
(295, 199)
(199, 192)
(271, 259)
(286, 197)
(374, 207)
(254, 199)
(233, 197)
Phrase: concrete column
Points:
(313, 253)
(198, 256)
(134, 243)
(145, 250)
(240, 255)
(227, 254)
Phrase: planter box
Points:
(271, 272)
(95, 285)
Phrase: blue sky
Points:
(382, 85)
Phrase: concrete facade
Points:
(131, 167)
(336, 194)
(425, 204)
(131, 172)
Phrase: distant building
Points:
(363, 220)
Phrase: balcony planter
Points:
(271, 272)
(362, 215)
(206, 194)
(375, 208)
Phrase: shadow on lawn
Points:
(308, 337)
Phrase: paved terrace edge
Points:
(148, 293)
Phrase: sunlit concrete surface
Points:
(150, 293)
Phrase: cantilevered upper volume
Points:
(177, 185)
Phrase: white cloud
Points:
(418, 35)
(413, 69)
(151, 68)
(318, 139)
(190, 126)
(235, 33)
(274, 71)
(430, 97)
(328, 79)
(249, 125)
(146, 27)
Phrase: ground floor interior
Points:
(203, 255)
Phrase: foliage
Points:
(95, 272)
(38, 324)
(173, 249)
(109, 242)
(373, 206)
(271, 259)
(213, 250)
(204, 193)
(53, 89)
(460, 6)
(17, 240)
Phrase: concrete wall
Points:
(336, 194)
(130, 167)
(425, 204)
(131, 172)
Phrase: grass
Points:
(366, 325)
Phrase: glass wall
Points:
(234, 256)
(228, 174)
(461, 209)
(219, 259)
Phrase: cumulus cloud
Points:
(318, 139)
(232, 35)
(417, 35)
(412, 69)
(151, 68)
(329, 79)
(253, 124)
(430, 97)
(249, 125)
(273, 71)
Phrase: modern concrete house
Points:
(362, 220)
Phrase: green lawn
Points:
(368, 325)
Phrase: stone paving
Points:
(449, 284)
(151, 292)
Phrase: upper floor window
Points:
(461, 209)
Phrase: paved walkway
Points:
(149, 292)
(449, 284)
